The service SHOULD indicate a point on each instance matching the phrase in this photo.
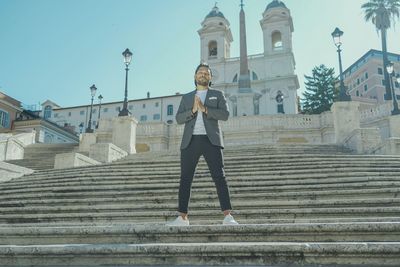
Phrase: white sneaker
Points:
(229, 220)
(179, 221)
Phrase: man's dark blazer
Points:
(217, 109)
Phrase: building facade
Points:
(271, 73)
(273, 82)
(9, 110)
(157, 109)
(364, 79)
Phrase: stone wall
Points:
(365, 129)
(12, 146)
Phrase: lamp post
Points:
(98, 118)
(336, 34)
(127, 60)
(390, 70)
(93, 93)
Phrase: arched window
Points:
(47, 112)
(279, 101)
(235, 79)
(212, 49)
(255, 77)
(277, 41)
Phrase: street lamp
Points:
(336, 34)
(93, 93)
(390, 70)
(98, 118)
(127, 60)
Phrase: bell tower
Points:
(215, 37)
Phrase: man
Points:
(200, 111)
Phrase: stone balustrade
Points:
(376, 112)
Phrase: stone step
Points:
(130, 215)
(211, 253)
(277, 178)
(267, 173)
(211, 203)
(93, 198)
(160, 233)
(52, 198)
(249, 157)
(249, 175)
(41, 156)
(212, 220)
(235, 183)
(171, 190)
(232, 167)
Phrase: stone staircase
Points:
(41, 156)
(297, 205)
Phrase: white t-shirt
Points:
(199, 128)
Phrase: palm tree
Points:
(382, 13)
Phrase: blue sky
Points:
(56, 49)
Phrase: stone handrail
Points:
(374, 113)
(12, 146)
(249, 57)
(152, 129)
(273, 121)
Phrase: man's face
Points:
(203, 76)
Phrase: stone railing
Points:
(375, 113)
(249, 57)
(152, 129)
(315, 129)
(12, 146)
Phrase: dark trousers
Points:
(201, 145)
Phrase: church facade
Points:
(273, 82)
(269, 77)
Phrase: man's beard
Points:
(202, 82)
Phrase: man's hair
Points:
(203, 65)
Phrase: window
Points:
(4, 119)
(144, 106)
(156, 104)
(358, 81)
(383, 82)
(170, 110)
(280, 109)
(143, 118)
(365, 87)
(366, 75)
(396, 84)
(255, 77)
(82, 112)
(380, 71)
(156, 117)
(47, 112)
(69, 114)
(357, 93)
(279, 99)
(277, 41)
(212, 49)
(105, 109)
(235, 79)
